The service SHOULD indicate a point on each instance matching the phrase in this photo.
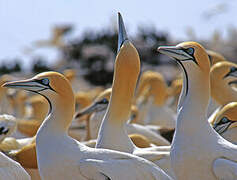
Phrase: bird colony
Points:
(138, 129)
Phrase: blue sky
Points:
(24, 21)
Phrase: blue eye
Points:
(190, 51)
(233, 69)
(103, 101)
(224, 120)
(45, 81)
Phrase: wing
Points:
(225, 169)
(11, 170)
(117, 169)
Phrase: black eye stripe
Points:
(232, 70)
(188, 51)
(40, 81)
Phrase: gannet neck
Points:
(194, 99)
(60, 115)
(126, 73)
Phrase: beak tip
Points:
(160, 49)
(4, 85)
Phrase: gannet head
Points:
(193, 59)
(82, 99)
(223, 75)
(188, 54)
(226, 118)
(99, 104)
(215, 57)
(224, 71)
(126, 72)
(53, 86)
(157, 86)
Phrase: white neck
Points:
(114, 136)
(193, 103)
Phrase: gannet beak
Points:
(29, 85)
(96, 106)
(122, 35)
(232, 73)
(175, 52)
(87, 110)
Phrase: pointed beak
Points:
(87, 110)
(231, 74)
(174, 52)
(122, 35)
(29, 85)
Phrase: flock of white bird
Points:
(135, 130)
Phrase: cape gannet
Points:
(223, 75)
(62, 157)
(197, 151)
(113, 127)
(157, 111)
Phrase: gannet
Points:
(98, 110)
(157, 111)
(214, 57)
(113, 127)
(223, 75)
(62, 157)
(197, 151)
(226, 122)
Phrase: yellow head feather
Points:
(220, 90)
(200, 55)
(215, 57)
(229, 111)
(157, 87)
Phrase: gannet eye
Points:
(103, 101)
(224, 120)
(45, 81)
(233, 69)
(190, 51)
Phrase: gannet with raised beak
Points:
(62, 157)
(114, 125)
(197, 151)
